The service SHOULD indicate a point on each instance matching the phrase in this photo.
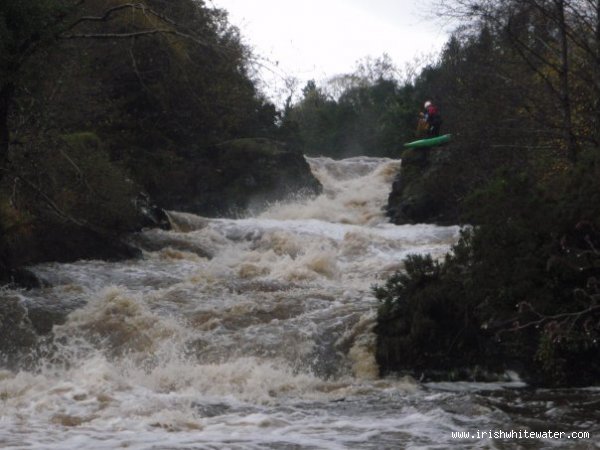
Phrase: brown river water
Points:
(256, 333)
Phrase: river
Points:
(255, 333)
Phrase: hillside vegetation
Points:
(519, 87)
(109, 107)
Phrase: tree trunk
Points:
(6, 92)
(565, 97)
(597, 66)
(598, 32)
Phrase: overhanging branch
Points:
(111, 11)
(133, 34)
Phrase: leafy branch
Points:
(561, 326)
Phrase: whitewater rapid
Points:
(239, 334)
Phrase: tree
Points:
(519, 81)
(28, 26)
(108, 99)
(556, 42)
(25, 26)
(361, 113)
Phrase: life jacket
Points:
(433, 115)
(433, 111)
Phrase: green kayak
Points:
(431, 142)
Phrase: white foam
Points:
(266, 341)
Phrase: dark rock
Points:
(239, 175)
(150, 215)
(66, 242)
(235, 177)
(43, 318)
(70, 243)
(155, 240)
(24, 278)
(420, 192)
(60, 243)
(16, 330)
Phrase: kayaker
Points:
(433, 118)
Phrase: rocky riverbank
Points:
(241, 175)
(236, 177)
(519, 290)
(423, 191)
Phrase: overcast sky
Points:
(317, 39)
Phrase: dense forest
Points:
(111, 111)
(368, 112)
(520, 89)
(110, 107)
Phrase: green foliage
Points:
(155, 109)
(418, 271)
(71, 180)
(518, 290)
(371, 114)
(166, 96)
(528, 269)
(24, 24)
(161, 103)
(427, 321)
(82, 140)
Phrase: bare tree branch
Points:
(136, 69)
(134, 34)
(53, 206)
(564, 319)
(111, 11)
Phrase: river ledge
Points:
(245, 174)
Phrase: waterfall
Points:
(246, 333)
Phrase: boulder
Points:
(237, 177)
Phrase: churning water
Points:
(251, 334)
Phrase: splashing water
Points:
(247, 334)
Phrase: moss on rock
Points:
(237, 176)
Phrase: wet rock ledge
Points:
(237, 176)
(228, 180)
(424, 191)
